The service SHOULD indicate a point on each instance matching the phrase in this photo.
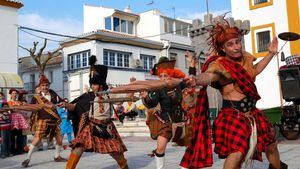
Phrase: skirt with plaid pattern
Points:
(232, 130)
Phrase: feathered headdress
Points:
(221, 33)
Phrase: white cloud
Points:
(62, 25)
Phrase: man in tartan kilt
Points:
(47, 123)
(241, 132)
(96, 131)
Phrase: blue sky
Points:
(65, 16)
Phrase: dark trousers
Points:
(18, 141)
(5, 146)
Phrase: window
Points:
(116, 24)
(255, 4)
(126, 60)
(119, 25)
(112, 59)
(116, 58)
(178, 28)
(78, 60)
(120, 59)
(147, 61)
(31, 85)
(84, 60)
(184, 29)
(168, 25)
(263, 39)
(129, 27)
(123, 26)
(259, 1)
(261, 36)
(72, 62)
(50, 76)
(108, 23)
(32, 78)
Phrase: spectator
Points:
(4, 129)
(18, 123)
(65, 126)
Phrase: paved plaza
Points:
(137, 157)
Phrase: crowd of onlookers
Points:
(16, 125)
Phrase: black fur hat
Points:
(98, 73)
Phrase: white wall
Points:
(149, 25)
(8, 39)
(267, 82)
(93, 17)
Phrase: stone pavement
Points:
(138, 147)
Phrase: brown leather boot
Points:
(72, 161)
(282, 166)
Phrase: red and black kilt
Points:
(90, 143)
(232, 130)
(46, 128)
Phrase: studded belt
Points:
(245, 105)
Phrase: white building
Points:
(9, 35)
(9, 44)
(268, 18)
(30, 74)
(129, 44)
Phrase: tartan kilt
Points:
(158, 128)
(232, 130)
(91, 143)
(46, 128)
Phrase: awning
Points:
(10, 80)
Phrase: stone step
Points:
(133, 129)
(131, 124)
(133, 134)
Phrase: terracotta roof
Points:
(11, 3)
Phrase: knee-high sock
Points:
(160, 160)
(30, 151)
(57, 151)
(73, 161)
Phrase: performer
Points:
(167, 122)
(96, 132)
(47, 120)
(241, 132)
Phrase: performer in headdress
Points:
(241, 132)
(96, 132)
